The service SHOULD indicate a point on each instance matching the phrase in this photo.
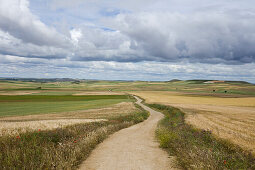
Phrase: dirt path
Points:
(132, 148)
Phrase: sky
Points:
(128, 40)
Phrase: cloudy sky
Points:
(128, 40)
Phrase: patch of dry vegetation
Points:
(196, 148)
(238, 128)
(15, 128)
(13, 93)
(226, 118)
(181, 98)
(63, 147)
(18, 124)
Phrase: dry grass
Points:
(227, 118)
(102, 113)
(195, 148)
(17, 92)
(19, 124)
(237, 128)
(63, 147)
(180, 98)
(15, 128)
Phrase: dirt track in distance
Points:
(131, 148)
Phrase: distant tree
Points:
(75, 82)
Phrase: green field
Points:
(28, 104)
(71, 87)
(45, 96)
(193, 148)
(57, 98)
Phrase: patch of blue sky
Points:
(109, 12)
(48, 16)
(108, 29)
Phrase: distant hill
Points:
(216, 81)
(239, 82)
(44, 80)
(174, 80)
(39, 80)
(198, 81)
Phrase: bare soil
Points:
(132, 148)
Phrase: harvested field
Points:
(14, 128)
(17, 124)
(227, 118)
(198, 148)
(17, 92)
(40, 104)
(237, 126)
(120, 108)
(181, 98)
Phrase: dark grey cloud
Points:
(201, 37)
(34, 67)
(172, 31)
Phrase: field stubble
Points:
(238, 128)
(228, 118)
(19, 124)
(182, 98)
(195, 148)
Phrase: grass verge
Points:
(62, 148)
(198, 149)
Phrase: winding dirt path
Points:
(132, 148)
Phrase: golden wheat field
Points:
(229, 118)
(181, 98)
(236, 126)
